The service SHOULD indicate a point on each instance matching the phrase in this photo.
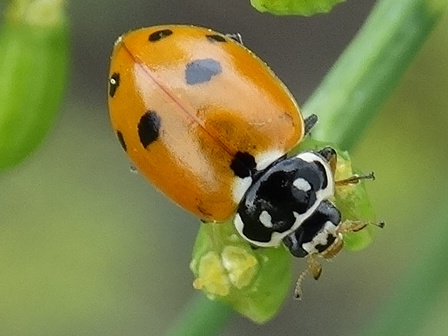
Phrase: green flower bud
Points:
(33, 63)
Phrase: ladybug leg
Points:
(355, 179)
(330, 155)
(335, 248)
(314, 269)
(314, 266)
(349, 226)
(310, 121)
(236, 37)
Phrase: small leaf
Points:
(294, 7)
(254, 281)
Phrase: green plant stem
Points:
(370, 67)
(346, 101)
(409, 308)
(201, 317)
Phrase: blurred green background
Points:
(88, 248)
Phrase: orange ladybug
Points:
(199, 114)
(210, 125)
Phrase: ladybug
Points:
(210, 125)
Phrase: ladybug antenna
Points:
(236, 37)
(314, 269)
(298, 289)
(349, 226)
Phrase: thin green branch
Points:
(201, 317)
(370, 68)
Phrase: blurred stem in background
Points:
(370, 68)
(202, 317)
(346, 102)
(409, 309)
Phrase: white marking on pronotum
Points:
(266, 219)
(309, 157)
(265, 159)
(240, 187)
(239, 225)
(302, 184)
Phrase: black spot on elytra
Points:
(160, 34)
(216, 38)
(121, 139)
(202, 70)
(114, 82)
(243, 164)
(149, 128)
